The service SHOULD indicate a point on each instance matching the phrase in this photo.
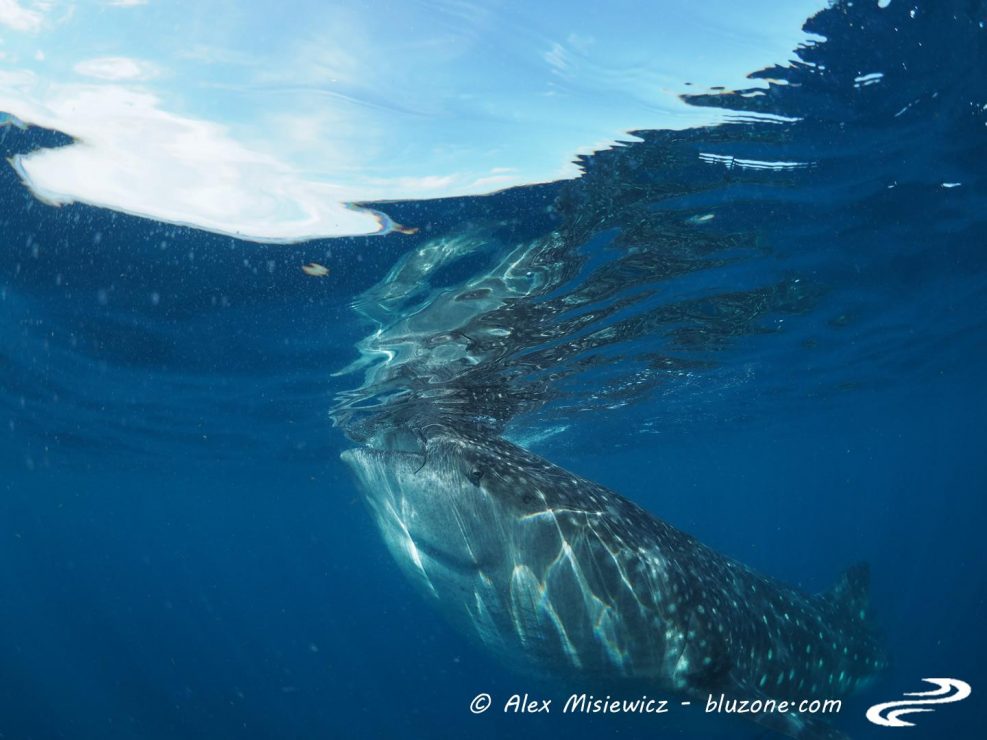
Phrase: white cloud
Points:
(126, 3)
(19, 18)
(115, 68)
(494, 181)
(558, 57)
(417, 184)
(133, 156)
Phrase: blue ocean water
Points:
(769, 333)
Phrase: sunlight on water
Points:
(263, 126)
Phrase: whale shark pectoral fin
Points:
(849, 600)
(851, 593)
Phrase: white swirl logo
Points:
(948, 691)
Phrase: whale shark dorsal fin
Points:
(851, 594)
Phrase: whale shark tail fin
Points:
(851, 594)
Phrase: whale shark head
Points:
(475, 522)
(471, 520)
(462, 512)
(445, 510)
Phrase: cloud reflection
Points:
(266, 124)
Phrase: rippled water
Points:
(770, 332)
(692, 268)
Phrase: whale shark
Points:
(562, 576)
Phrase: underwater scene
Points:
(447, 369)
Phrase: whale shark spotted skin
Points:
(560, 575)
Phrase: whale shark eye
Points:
(474, 475)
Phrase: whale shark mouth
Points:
(448, 560)
(352, 457)
(387, 439)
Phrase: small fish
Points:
(405, 229)
(315, 269)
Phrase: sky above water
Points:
(265, 119)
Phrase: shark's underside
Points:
(561, 575)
